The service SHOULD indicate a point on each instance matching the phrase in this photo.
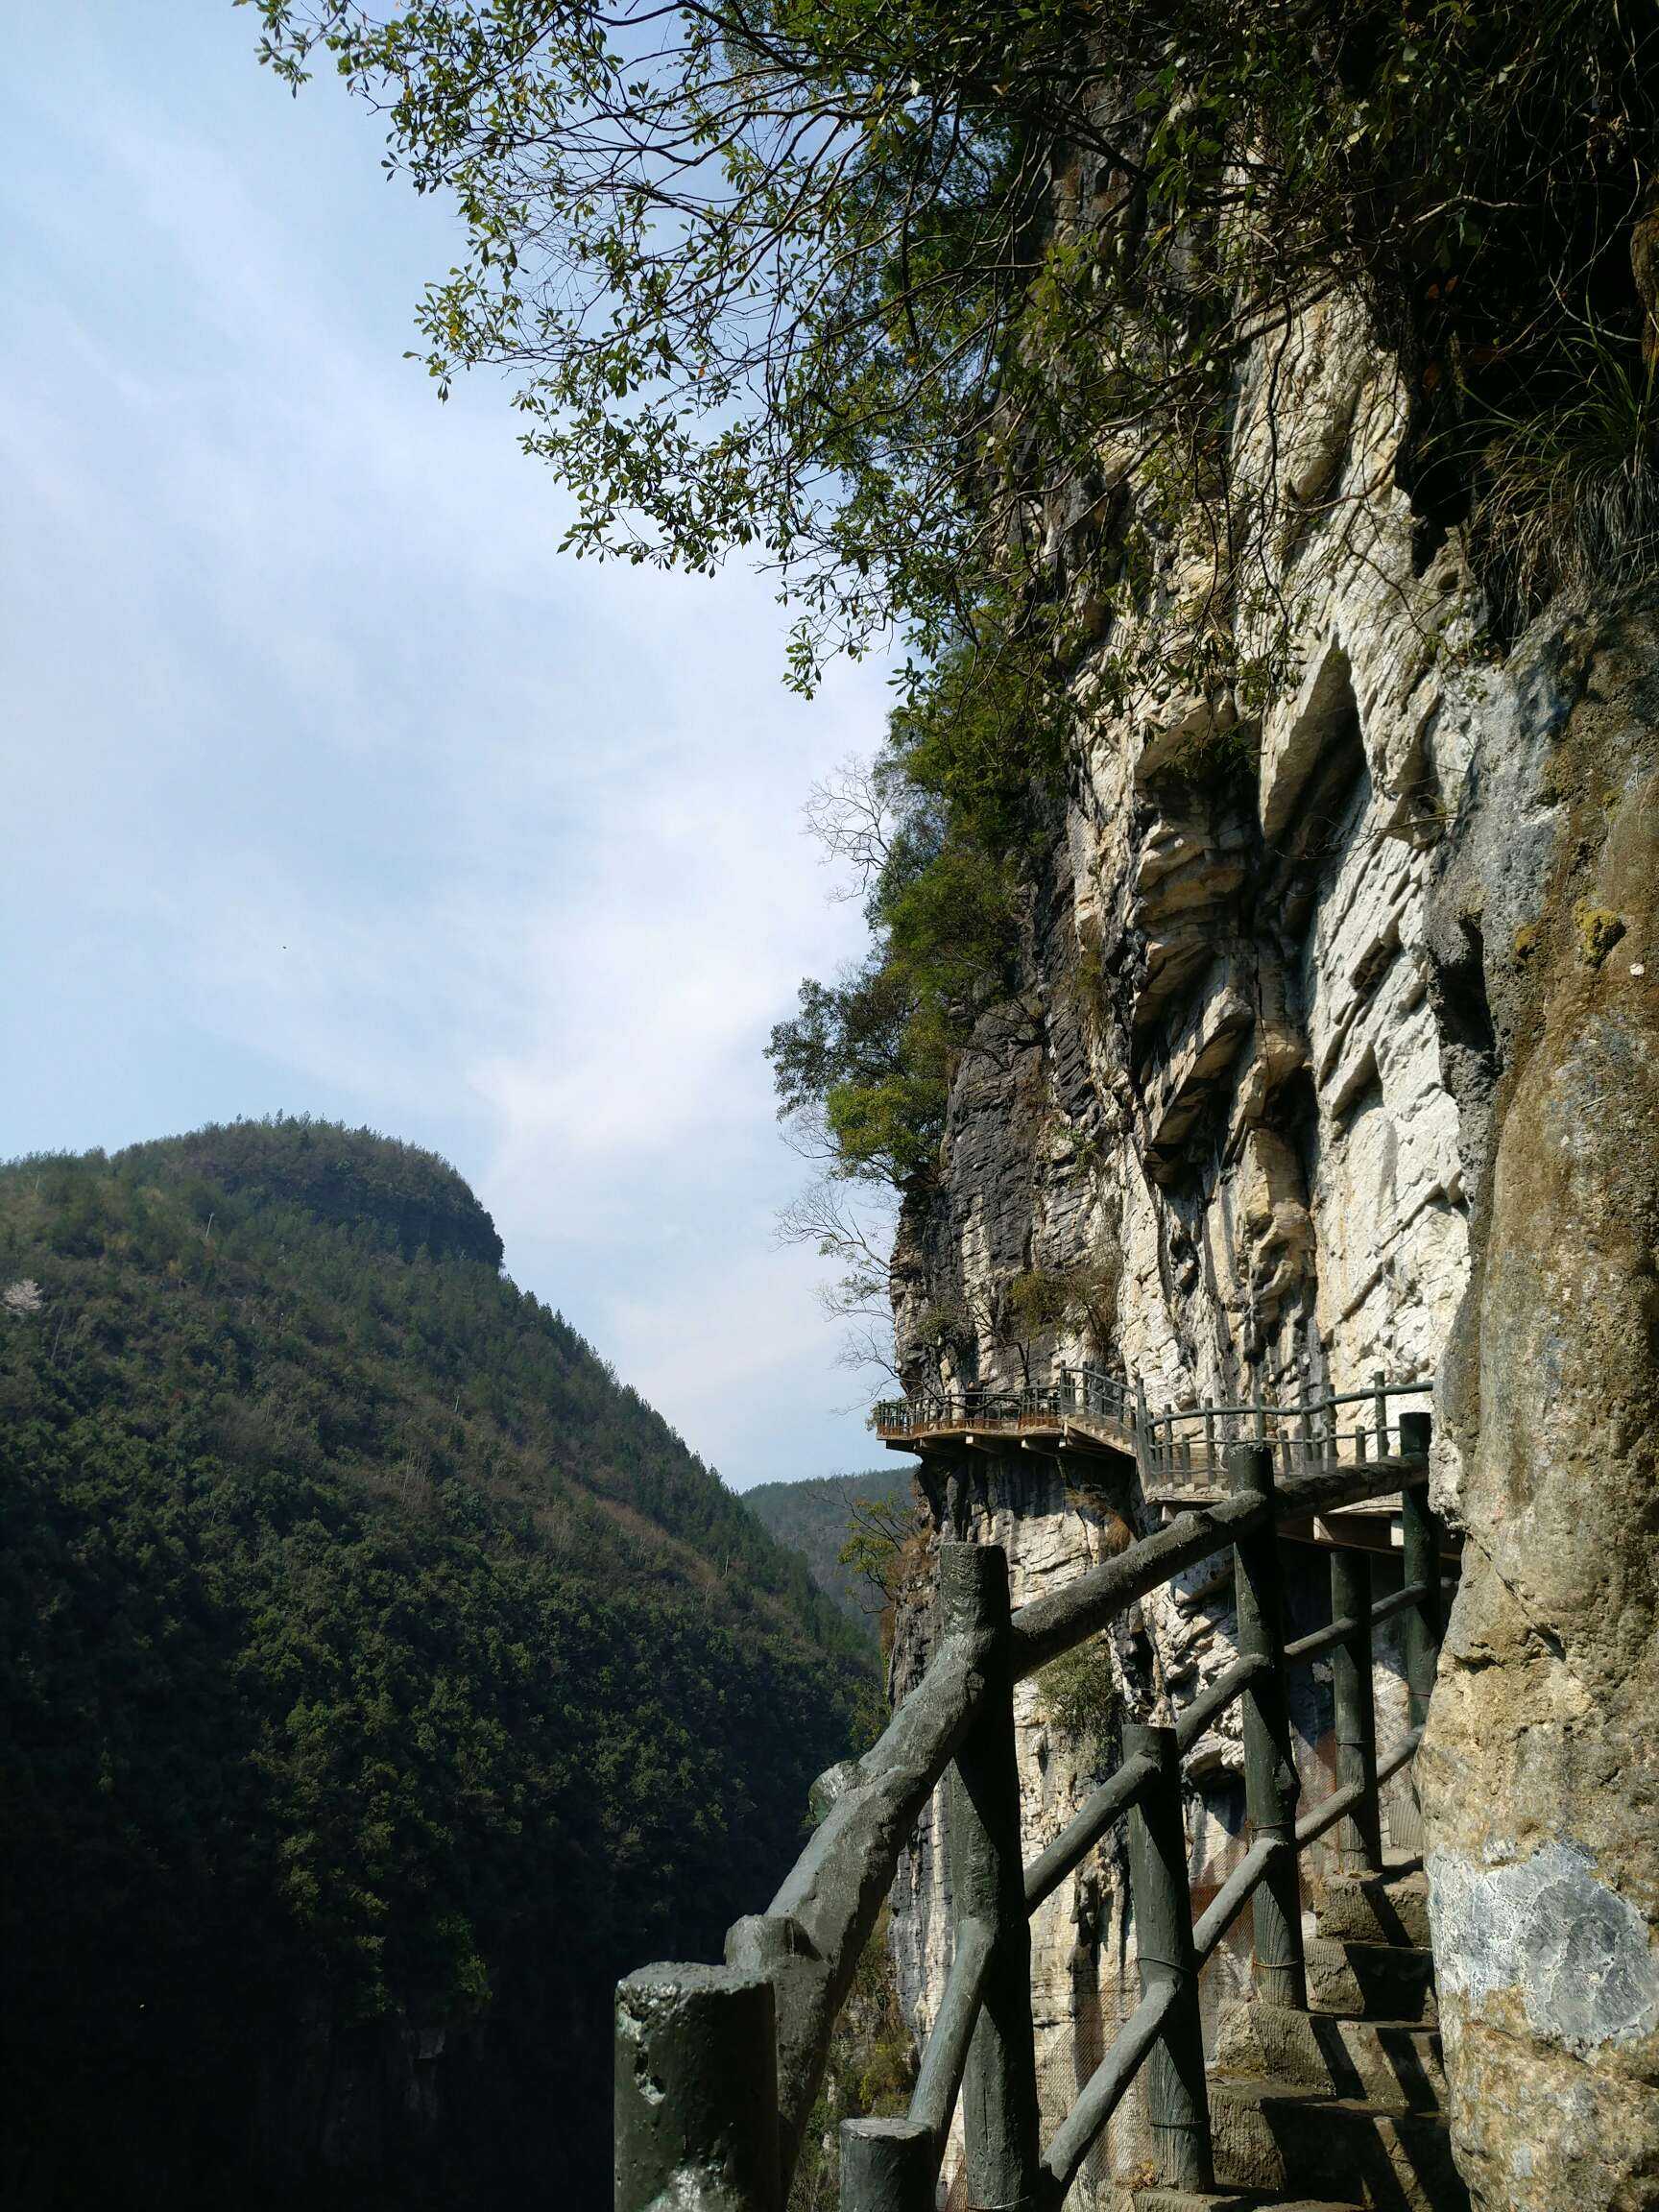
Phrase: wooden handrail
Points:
(1322, 1639)
(1331, 1808)
(1122, 1396)
(1109, 1803)
(1272, 1853)
(946, 2053)
(1118, 1791)
(1297, 1407)
(1051, 1625)
(1104, 2090)
(1234, 1894)
(1122, 1791)
(807, 1944)
(1193, 1719)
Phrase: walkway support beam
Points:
(988, 1884)
(1177, 2103)
(1271, 1786)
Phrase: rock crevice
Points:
(1348, 1069)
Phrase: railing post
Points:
(696, 2090)
(1359, 1838)
(1420, 1533)
(988, 1884)
(887, 2165)
(1177, 2104)
(1271, 1785)
(1380, 1401)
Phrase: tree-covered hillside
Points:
(381, 1679)
(818, 1517)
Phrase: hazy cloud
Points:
(334, 787)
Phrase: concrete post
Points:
(1420, 1530)
(696, 2087)
(988, 1884)
(1177, 2103)
(887, 2165)
(1271, 1785)
(1360, 1836)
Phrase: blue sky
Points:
(333, 786)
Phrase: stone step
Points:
(1389, 1907)
(1230, 2201)
(1392, 2062)
(1372, 1980)
(1270, 2136)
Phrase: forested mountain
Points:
(381, 1679)
(815, 1517)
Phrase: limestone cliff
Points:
(1336, 1054)
(1541, 1772)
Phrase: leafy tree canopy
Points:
(856, 285)
(940, 308)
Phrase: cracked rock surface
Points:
(1351, 1071)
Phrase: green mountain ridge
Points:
(382, 1679)
(814, 1517)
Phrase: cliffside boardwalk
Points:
(1179, 1452)
(717, 2067)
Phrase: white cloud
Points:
(342, 789)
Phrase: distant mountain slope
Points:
(380, 1679)
(814, 1517)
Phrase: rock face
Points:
(1542, 1768)
(1337, 1056)
(1223, 1085)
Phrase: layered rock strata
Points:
(1540, 1771)
(1336, 1056)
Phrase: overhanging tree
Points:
(939, 309)
(858, 285)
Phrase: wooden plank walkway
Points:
(1179, 1452)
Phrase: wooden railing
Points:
(1076, 1393)
(1184, 1447)
(1178, 1451)
(923, 1415)
(717, 2067)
